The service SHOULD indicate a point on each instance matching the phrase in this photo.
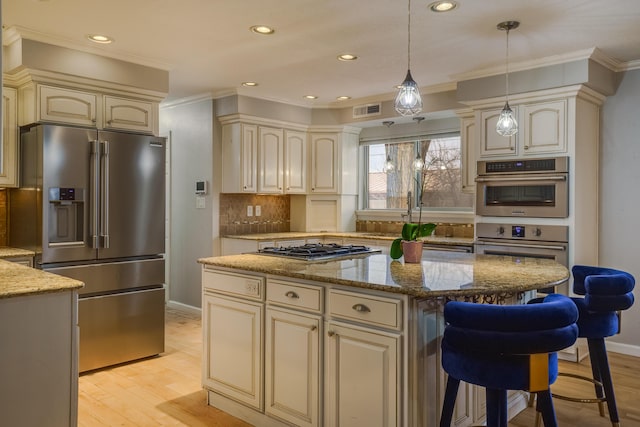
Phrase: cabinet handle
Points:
(361, 308)
(291, 295)
(313, 328)
(109, 122)
(526, 147)
(331, 333)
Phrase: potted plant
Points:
(408, 244)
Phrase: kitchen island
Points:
(351, 341)
(39, 345)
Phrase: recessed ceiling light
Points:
(443, 6)
(347, 57)
(249, 84)
(343, 98)
(99, 38)
(310, 97)
(262, 29)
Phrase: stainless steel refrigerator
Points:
(91, 205)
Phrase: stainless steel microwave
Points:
(537, 188)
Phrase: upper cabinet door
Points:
(129, 114)
(544, 127)
(239, 158)
(295, 162)
(491, 143)
(67, 106)
(270, 160)
(9, 143)
(325, 166)
(468, 151)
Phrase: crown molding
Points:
(10, 35)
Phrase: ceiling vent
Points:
(368, 110)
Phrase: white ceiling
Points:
(208, 49)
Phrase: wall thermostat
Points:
(201, 187)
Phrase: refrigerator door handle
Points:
(104, 194)
(94, 176)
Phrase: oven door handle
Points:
(523, 245)
(521, 178)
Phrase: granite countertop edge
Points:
(17, 280)
(277, 267)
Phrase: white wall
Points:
(620, 197)
(191, 128)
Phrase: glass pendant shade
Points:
(388, 165)
(418, 163)
(507, 124)
(408, 101)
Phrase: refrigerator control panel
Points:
(59, 194)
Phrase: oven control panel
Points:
(551, 233)
(549, 165)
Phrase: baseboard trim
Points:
(628, 349)
(184, 307)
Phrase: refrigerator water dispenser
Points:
(66, 216)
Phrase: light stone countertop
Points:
(436, 240)
(440, 274)
(7, 252)
(18, 280)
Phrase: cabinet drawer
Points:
(373, 310)
(233, 284)
(294, 295)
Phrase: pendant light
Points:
(507, 124)
(408, 101)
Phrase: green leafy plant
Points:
(410, 231)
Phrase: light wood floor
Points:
(166, 391)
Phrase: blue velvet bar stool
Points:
(606, 293)
(506, 348)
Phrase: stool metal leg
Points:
(450, 396)
(597, 348)
(544, 406)
(597, 374)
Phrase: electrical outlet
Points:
(249, 210)
(258, 210)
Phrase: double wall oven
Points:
(529, 190)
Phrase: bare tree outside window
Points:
(388, 189)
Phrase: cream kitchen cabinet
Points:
(295, 162)
(491, 143)
(9, 143)
(333, 167)
(293, 352)
(239, 158)
(129, 114)
(542, 129)
(232, 335)
(53, 104)
(363, 360)
(270, 160)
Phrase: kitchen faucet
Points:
(408, 214)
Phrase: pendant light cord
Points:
(507, 68)
(409, 35)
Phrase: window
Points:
(439, 181)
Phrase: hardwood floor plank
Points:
(167, 391)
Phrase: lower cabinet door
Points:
(292, 368)
(232, 359)
(362, 375)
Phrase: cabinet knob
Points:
(313, 328)
(331, 333)
(291, 295)
(361, 308)
(526, 147)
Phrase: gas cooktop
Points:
(318, 251)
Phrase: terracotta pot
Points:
(412, 250)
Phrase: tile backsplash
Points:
(274, 216)
(443, 229)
